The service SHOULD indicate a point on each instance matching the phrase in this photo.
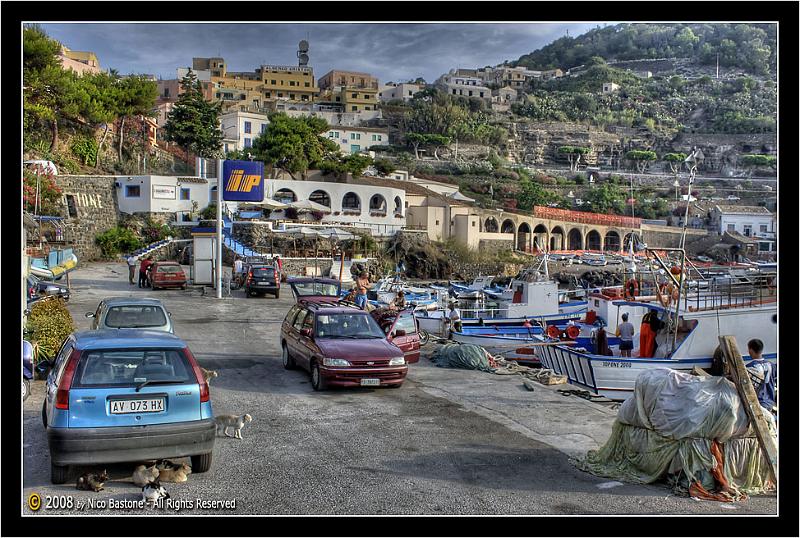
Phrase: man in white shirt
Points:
(455, 319)
(131, 267)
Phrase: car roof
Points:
(168, 262)
(117, 301)
(331, 307)
(307, 279)
(126, 339)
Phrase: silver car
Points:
(131, 313)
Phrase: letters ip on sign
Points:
(243, 180)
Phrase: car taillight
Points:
(62, 394)
(201, 380)
(277, 277)
(250, 276)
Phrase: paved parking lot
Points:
(446, 442)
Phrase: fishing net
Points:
(465, 356)
(667, 431)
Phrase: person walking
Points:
(625, 331)
(131, 268)
(143, 268)
(363, 285)
(763, 374)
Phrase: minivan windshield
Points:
(315, 288)
(347, 326)
(133, 367)
(135, 317)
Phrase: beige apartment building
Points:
(353, 90)
(79, 61)
(260, 88)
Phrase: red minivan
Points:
(400, 328)
(168, 275)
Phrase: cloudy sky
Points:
(388, 51)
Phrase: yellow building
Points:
(259, 88)
(355, 91)
(79, 61)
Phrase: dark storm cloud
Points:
(389, 51)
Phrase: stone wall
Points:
(492, 246)
(668, 236)
(469, 271)
(90, 206)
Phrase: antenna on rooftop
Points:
(302, 53)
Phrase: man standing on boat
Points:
(647, 334)
(763, 374)
(625, 331)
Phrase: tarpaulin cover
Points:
(667, 427)
(466, 356)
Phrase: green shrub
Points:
(49, 323)
(209, 212)
(85, 148)
(117, 240)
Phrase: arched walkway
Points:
(557, 238)
(398, 206)
(540, 237)
(507, 227)
(594, 241)
(377, 204)
(351, 202)
(320, 197)
(490, 226)
(523, 237)
(285, 196)
(575, 240)
(612, 243)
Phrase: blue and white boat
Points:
(746, 311)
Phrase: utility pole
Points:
(220, 186)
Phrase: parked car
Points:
(127, 395)
(27, 369)
(261, 279)
(400, 328)
(340, 345)
(167, 275)
(131, 313)
(38, 288)
(315, 288)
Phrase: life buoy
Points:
(631, 289)
(553, 331)
(573, 332)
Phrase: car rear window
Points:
(135, 316)
(170, 269)
(406, 323)
(316, 288)
(132, 367)
(268, 272)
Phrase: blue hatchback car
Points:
(126, 395)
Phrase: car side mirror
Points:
(169, 314)
(399, 332)
(89, 314)
(306, 332)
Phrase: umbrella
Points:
(269, 203)
(308, 205)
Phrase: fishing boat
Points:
(689, 338)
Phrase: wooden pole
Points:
(735, 370)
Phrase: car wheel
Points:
(288, 360)
(44, 415)
(58, 473)
(316, 378)
(201, 463)
(26, 389)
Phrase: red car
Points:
(400, 328)
(340, 345)
(167, 275)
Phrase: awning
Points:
(308, 205)
(269, 203)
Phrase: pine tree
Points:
(193, 123)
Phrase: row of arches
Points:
(350, 201)
(558, 238)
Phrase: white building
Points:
(610, 87)
(240, 129)
(357, 139)
(750, 221)
(464, 86)
(393, 90)
(163, 194)
(360, 202)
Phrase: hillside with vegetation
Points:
(749, 47)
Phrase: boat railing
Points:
(729, 293)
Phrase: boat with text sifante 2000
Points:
(688, 335)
